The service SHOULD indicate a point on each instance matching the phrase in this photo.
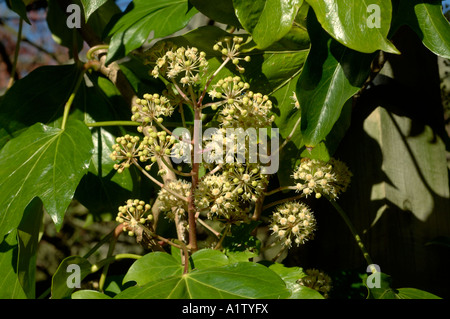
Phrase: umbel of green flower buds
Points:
(125, 151)
(293, 222)
(183, 64)
(241, 108)
(314, 176)
(230, 48)
(133, 214)
(151, 108)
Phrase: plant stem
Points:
(200, 100)
(353, 231)
(117, 231)
(195, 179)
(175, 170)
(281, 201)
(279, 189)
(70, 100)
(16, 54)
(225, 233)
(154, 180)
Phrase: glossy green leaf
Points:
(70, 272)
(239, 280)
(428, 21)
(89, 294)
(267, 20)
(163, 17)
(153, 267)
(45, 162)
(90, 6)
(362, 26)
(331, 75)
(10, 287)
(220, 11)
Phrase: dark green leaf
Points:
(45, 162)
(163, 17)
(331, 75)
(428, 21)
(354, 24)
(57, 23)
(38, 97)
(220, 11)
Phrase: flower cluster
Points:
(241, 108)
(293, 221)
(229, 47)
(170, 204)
(154, 146)
(126, 150)
(247, 180)
(217, 194)
(150, 108)
(185, 64)
(317, 280)
(134, 214)
(318, 177)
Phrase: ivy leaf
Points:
(331, 75)
(45, 162)
(351, 23)
(163, 17)
(238, 280)
(90, 6)
(153, 267)
(267, 20)
(428, 21)
(220, 11)
(38, 97)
